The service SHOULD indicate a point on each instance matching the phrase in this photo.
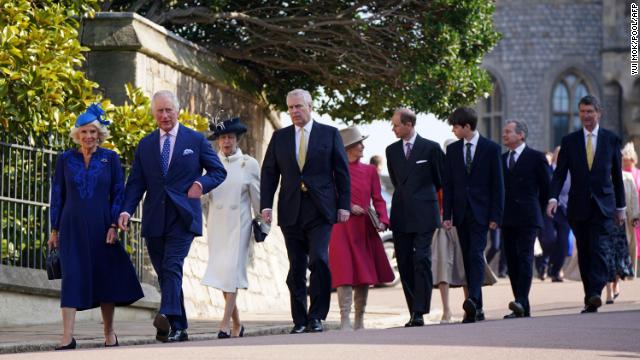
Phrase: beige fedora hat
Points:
(351, 135)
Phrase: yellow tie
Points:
(302, 151)
(589, 150)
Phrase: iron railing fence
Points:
(25, 184)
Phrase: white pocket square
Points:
(421, 161)
(187, 152)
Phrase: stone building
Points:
(551, 54)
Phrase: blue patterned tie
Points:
(164, 155)
(468, 158)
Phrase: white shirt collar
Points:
(474, 139)
(410, 141)
(173, 132)
(594, 132)
(307, 127)
(519, 149)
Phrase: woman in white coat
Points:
(229, 218)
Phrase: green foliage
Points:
(41, 83)
(360, 59)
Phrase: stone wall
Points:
(541, 41)
(126, 48)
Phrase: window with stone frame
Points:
(565, 97)
(489, 112)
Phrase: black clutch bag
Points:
(258, 233)
(53, 264)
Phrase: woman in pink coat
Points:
(356, 254)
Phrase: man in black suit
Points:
(415, 167)
(526, 188)
(592, 156)
(473, 200)
(309, 161)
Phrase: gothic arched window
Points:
(564, 106)
(490, 113)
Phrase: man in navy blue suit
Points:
(309, 161)
(415, 169)
(473, 200)
(168, 167)
(526, 188)
(596, 197)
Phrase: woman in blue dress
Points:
(87, 191)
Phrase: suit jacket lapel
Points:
(178, 148)
(313, 135)
(480, 148)
(155, 149)
(599, 142)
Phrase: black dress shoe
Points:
(517, 308)
(69, 346)
(113, 345)
(595, 301)
(178, 335)
(161, 323)
(479, 315)
(589, 309)
(469, 307)
(416, 320)
(556, 279)
(314, 325)
(511, 316)
(467, 320)
(298, 329)
(223, 335)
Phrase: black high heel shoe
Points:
(69, 346)
(223, 335)
(241, 333)
(114, 345)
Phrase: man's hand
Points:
(195, 191)
(551, 209)
(266, 216)
(112, 236)
(343, 215)
(123, 221)
(447, 224)
(357, 210)
(493, 225)
(620, 217)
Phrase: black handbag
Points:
(54, 270)
(258, 234)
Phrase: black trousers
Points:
(307, 245)
(473, 241)
(413, 253)
(593, 241)
(518, 247)
(561, 245)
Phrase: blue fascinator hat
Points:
(227, 127)
(93, 113)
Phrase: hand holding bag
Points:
(375, 220)
(54, 270)
(260, 229)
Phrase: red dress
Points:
(356, 252)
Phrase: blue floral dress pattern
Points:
(85, 201)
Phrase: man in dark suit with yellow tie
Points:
(596, 197)
(309, 161)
